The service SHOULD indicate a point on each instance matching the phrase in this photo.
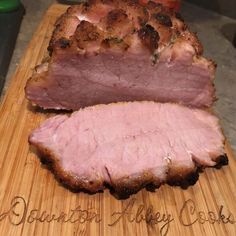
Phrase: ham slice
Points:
(128, 146)
(113, 51)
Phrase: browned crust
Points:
(114, 43)
(86, 32)
(115, 17)
(163, 19)
(149, 37)
(124, 187)
(152, 22)
(58, 26)
(66, 179)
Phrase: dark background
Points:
(224, 7)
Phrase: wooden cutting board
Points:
(32, 202)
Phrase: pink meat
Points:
(130, 145)
(112, 51)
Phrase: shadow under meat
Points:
(37, 109)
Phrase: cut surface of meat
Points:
(131, 145)
(112, 51)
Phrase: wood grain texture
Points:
(32, 202)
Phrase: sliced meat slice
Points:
(128, 146)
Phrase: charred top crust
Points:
(163, 19)
(149, 37)
(64, 43)
(156, 25)
(154, 5)
(85, 33)
(178, 16)
(144, 17)
(131, 2)
(107, 1)
(115, 17)
(115, 43)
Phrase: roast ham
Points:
(173, 4)
(105, 51)
(128, 146)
